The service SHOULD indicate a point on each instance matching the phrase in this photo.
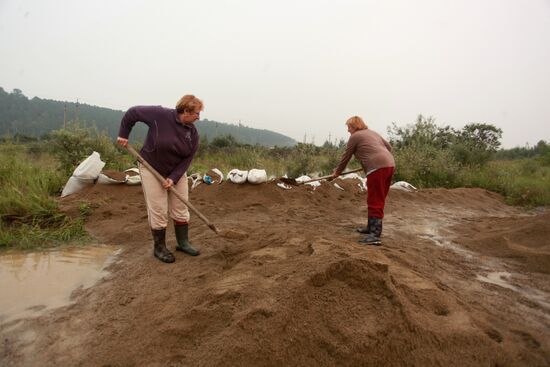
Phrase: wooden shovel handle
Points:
(178, 195)
(329, 176)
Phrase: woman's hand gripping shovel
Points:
(178, 195)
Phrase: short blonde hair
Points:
(189, 103)
(357, 123)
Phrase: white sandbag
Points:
(196, 180)
(314, 184)
(284, 186)
(356, 176)
(219, 173)
(350, 176)
(90, 167)
(106, 180)
(131, 177)
(133, 180)
(237, 176)
(133, 169)
(75, 184)
(257, 176)
(83, 175)
(302, 178)
(404, 186)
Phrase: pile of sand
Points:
(287, 284)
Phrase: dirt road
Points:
(462, 280)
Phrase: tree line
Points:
(36, 117)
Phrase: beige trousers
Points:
(161, 202)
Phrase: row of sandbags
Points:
(89, 172)
(253, 176)
(399, 185)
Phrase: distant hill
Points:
(36, 117)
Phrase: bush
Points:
(72, 145)
(427, 166)
(303, 160)
(224, 141)
(468, 155)
(330, 158)
(475, 144)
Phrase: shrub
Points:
(426, 166)
(303, 160)
(72, 145)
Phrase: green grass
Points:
(241, 158)
(29, 214)
(522, 182)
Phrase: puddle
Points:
(499, 278)
(503, 278)
(31, 283)
(431, 232)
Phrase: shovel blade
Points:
(289, 181)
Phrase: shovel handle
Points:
(140, 159)
(329, 176)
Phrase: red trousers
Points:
(378, 185)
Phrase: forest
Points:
(36, 117)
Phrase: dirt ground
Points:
(461, 280)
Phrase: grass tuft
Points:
(29, 213)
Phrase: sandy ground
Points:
(462, 280)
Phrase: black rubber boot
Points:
(364, 230)
(182, 236)
(373, 237)
(161, 252)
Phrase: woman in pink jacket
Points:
(375, 156)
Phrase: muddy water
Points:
(31, 283)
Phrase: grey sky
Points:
(291, 66)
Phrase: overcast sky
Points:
(300, 68)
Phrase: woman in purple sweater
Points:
(375, 156)
(170, 145)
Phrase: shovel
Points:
(292, 181)
(178, 195)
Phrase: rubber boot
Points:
(182, 237)
(363, 230)
(161, 252)
(373, 238)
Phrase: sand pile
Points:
(287, 284)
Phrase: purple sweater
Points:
(170, 145)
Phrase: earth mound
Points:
(462, 279)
